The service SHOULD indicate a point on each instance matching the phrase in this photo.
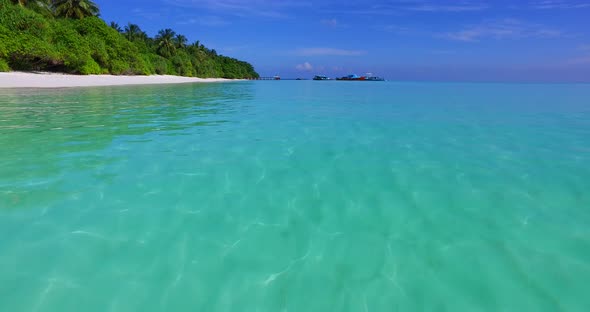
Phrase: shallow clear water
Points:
(296, 196)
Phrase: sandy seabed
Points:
(57, 80)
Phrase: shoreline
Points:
(19, 80)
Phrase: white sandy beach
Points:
(57, 80)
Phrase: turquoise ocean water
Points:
(296, 196)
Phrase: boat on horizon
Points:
(351, 77)
(321, 77)
(367, 77)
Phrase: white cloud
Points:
(330, 22)
(147, 14)
(559, 4)
(396, 29)
(503, 29)
(328, 52)
(243, 8)
(399, 6)
(210, 21)
(448, 8)
(304, 67)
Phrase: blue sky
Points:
(537, 40)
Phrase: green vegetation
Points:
(4, 66)
(68, 36)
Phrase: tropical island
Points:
(68, 36)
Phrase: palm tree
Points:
(22, 3)
(180, 41)
(165, 42)
(116, 27)
(75, 8)
(39, 6)
(132, 32)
